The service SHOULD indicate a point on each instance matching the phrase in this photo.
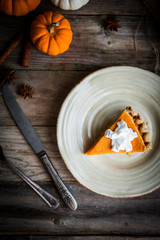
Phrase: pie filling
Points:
(121, 137)
(128, 133)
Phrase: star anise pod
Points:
(25, 91)
(113, 23)
(8, 76)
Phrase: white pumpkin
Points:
(69, 4)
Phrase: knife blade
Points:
(34, 141)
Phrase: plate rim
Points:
(88, 76)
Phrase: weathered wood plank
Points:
(23, 212)
(95, 238)
(50, 88)
(17, 237)
(93, 45)
(94, 7)
(19, 152)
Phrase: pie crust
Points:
(141, 126)
(140, 144)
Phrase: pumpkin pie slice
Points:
(127, 134)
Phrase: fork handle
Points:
(47, 197)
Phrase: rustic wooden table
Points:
(93, 47)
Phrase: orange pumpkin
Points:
(51, 33)
(18, 7)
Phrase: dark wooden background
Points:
(22, 212)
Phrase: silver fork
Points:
(47, 197)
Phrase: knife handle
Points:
(64, 192)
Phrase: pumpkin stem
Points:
(52, 26)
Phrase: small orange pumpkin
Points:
(18, 7)
(51, 33)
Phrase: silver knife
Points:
(32, 138)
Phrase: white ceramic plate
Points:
(89, 108)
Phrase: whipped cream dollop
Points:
(121, 137)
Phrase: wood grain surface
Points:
(89, 237)
(23, 215)
(93, 46)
